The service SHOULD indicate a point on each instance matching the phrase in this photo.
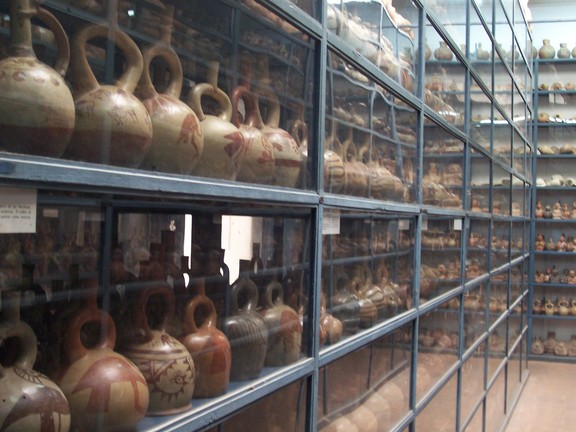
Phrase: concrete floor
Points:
(547, 402)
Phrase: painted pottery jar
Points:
(550, 343)
(165, 363)
(356, 172)
(105, 390)
(287, 153)
(36, 106)
(112, 125)
(246, 331)
(443, 52)
(258, 165)
(383, 184)
(334, 173)
(299, 131)
(284, 328)
(332, 326)
(209, 347)
(547, 51)
(563, 51)
(572, 346)
(482, 54)
(177, 140)
(30, 400)
(363, 418)
(224, 146)
(345, 305)
(537, 346)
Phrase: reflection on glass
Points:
(495, 405)
(477, 250)
(440, 413)
(366, 275)
(475, 301)
(352, 398)
(386, 36)
(472, 385)
(443, 168)
(284, 409)
(440, 261)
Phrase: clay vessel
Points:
(287, 153)
(209, 347)
(443, 52)
(334, 173)
(574, 52)
(364, 419)
(345, 305)
(258, 165)
(299, 131)
(177, 141)
(547, 51)
(357, 173)
(165, 363)
(224, 146)
(112, 125)
(30, 400)
(383, 184)
(563, 51)
(105, 390)
(284, 328)
(36, 106)
(246, 331)
(482, 54)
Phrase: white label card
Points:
(457, 224)
(17, 210)
(331, 222)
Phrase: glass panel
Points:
(443, 178)
(500, 248)
(385, 36)
(440, 413)
(513, 376)
(498, 299)
(517, 239)
(480, 116)
(480, 180)
(503, 35)
(440, 260)
(501, 189)
(363, 154)
(475, 327)
(476, 424)
(495, 403)
(472, 385)
(366, 275)
(168, 124)
(311, 7)
(478, 240)
(496, 348)
(481, 48)
(351, 396)
(485, 8)
(438, 341)
(451, 14)
(265, 415)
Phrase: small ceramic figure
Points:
(548, 212)
(565, 211)
(540, 243)
(539, 212)
(561, 245)
(573, 214)
(570, 244)
(557, 211)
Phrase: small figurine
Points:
(516, 209)
(476, 206)
(561, 245)
(540, 243)
(573, 215)
(539, 212)
(551, 245)
(565, 211)
(570, 244)
(557, 211)
(548, 212)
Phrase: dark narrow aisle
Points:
(547, 402)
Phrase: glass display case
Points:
(554, 216)
(275, 215)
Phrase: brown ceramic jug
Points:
(36, 106)
(299, 131)
(224, 146)
(208, 346)
(258, 165)
(177, 141)
(287, 154)
(112, 125)
(284, 328)
(334, 172)
(357, 173)
(30, 401)
(105, 390)
(165, 363)
(246, 331)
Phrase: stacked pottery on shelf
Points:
(36, 107)
(547, 51)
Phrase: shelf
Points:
(555, 253)
(554, 285)
(554, 221)
(556, 156)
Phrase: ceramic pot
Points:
(112, 125)
(224, 146)
(287, 153)
(331, 326)
(177, 140)
(547, 51)
(258, 165)
(284, 328)
(36, 106)
(364, 419)
(572, 346)
(563, 51)
(537, 346)
(574, 52)
(334, 173)
(550, 343)
(209, 347)
(443, 52)
(299, 131)
(30, 400)
(105, 390)
(383, 184)
(357, 173)
(246, 331)
(165, 363)
(345, 306)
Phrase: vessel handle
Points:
(140, 317)
(190, 321)
(174, 88)
(244, 284)
(28, 344)
(72, 339)
(83, 77)
(62, 43)
(205, 89)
